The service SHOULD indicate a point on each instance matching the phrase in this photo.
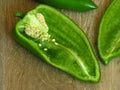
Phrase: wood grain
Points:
(21, 70)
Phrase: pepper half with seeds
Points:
(58, 41)
(76, 5)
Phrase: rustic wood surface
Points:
(21, 70)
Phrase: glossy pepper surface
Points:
(109, 33)
(54, 38)
(76, 5)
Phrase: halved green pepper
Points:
(109, 33)
(58, 41)
(76, 5)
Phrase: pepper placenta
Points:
(54, 38)
(76, 5)
(109, 33)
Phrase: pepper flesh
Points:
(67, 48)
(109, 33)
(76, 5)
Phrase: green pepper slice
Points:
(76, 5)
(109, 33)
(54, 38)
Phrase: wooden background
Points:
(21, 70)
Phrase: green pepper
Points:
(54, 38)
(109, 33)
(76, 5)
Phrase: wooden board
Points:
(21, 70)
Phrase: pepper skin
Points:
(76, 5)
(54, 38)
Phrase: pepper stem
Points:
(20, 15)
